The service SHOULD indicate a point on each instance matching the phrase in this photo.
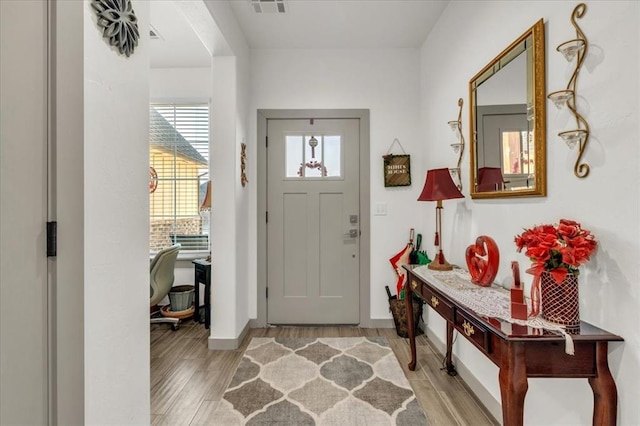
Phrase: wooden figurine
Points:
(518, 305)
(483, 259)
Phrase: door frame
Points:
(365, 228)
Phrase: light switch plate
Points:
(380, 209)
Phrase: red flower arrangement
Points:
(557, 249)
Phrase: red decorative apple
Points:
(483, 259)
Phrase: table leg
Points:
(513, 383)
(207, 300)
(605, 394)
(448, 363)
(408, 297)
(196, 296)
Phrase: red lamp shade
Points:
(490, 179)
(439, 186)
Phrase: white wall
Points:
(180, 84)
(245, 199)
(606, 202)
(232, 227)
(385, 81)
(116, 223)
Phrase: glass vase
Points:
(559, 301)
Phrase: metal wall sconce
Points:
(572, 49)
(458, 147)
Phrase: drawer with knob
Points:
(434, 300)
(473, 331)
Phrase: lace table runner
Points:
(490, 301)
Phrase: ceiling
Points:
(339, 24)
(306, 24)
(178, 46)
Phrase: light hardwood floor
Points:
(188, 379)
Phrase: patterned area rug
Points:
(324, 381)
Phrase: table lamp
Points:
(439, 186)
(206, 203)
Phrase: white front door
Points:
(313, 228)
(23, 213)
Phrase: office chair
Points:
(162, 276)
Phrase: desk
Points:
(202, 276)
(520, 351)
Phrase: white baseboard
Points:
(215, 343)
(484, 396)
(381, 323)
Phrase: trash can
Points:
(181, 297)
(399, 311)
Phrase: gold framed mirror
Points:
(508, 121)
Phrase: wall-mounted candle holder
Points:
(458, 147)
(572, 49)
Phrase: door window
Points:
(313, 156)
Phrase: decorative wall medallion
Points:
(119, 24)
(243, 164)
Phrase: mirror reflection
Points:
(508, 121)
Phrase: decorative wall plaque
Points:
(397, 170)
(119, 24)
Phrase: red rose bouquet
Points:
(557, 249)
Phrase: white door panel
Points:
(312, 259)
(23, 213)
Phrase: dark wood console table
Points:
(202, 276)
(520, 351)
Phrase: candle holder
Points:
(574, 49)
(458, 148)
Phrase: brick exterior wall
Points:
(161, 230)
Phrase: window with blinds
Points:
(179, 171)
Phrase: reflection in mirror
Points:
(508, 119)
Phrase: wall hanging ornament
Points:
(119, 24)
(574, 49)
(313, 163)
(397, 168)
(153, 180)
(243, 164)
